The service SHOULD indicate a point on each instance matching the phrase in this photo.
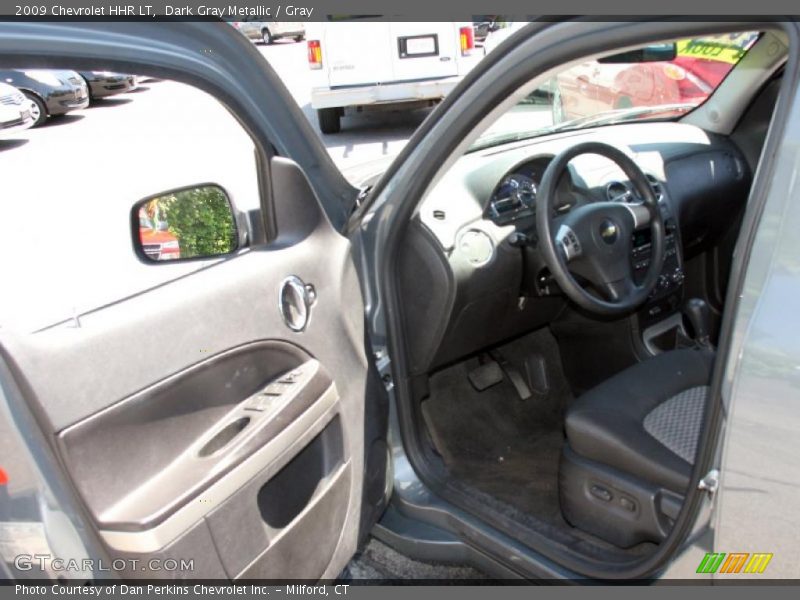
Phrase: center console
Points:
(660, 318)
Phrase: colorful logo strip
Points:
(734, 562)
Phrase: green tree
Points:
(202, 220)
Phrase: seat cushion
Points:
(646, 420)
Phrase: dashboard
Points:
(472, 245)
(514, 197)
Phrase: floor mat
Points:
(379, 564)
(492, 440)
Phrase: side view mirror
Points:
(190, 223)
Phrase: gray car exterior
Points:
(761, 385)
(751, 443)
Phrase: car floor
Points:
(378, 563)
(492, 440)
(507, 450)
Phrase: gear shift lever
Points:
(699, 316)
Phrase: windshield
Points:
(596, 93)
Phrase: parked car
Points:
(50, 93)
(15, 111)
(105, 83)
(156, 241)
(361, 64)
(269, 31)
(560, 353)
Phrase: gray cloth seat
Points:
(646, 420)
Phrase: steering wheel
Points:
(594, 240)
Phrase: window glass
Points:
(594, 93)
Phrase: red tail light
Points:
(467, 37)
(3, 477)
(314, 54)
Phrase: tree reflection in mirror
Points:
(189, 223)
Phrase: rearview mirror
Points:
(653, 53)
(189, 223)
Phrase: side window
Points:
(71, 182)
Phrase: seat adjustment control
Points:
(601, 493)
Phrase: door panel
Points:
(195, 424)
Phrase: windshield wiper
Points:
(625, 114)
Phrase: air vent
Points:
(616, 191)
(657, 187)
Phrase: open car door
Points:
(229, 418)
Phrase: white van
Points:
(370, 63)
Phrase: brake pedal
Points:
(485, 376)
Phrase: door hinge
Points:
(710, 483)
(384, 365)
(362, 195)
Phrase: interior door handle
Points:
(294, 302)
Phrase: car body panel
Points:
(206, 351)
(759, 470)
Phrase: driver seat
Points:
(630, 448)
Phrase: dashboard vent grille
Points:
(616, 191)
(657, 187)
